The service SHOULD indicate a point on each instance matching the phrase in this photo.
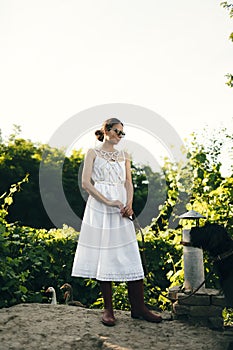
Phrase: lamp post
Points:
(192, 257)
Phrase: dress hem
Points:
(112, 279)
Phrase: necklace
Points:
(109, 156)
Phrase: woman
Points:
(107, 249)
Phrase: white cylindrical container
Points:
(193, 265)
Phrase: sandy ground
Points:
(53, 327)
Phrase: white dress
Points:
(107, 248)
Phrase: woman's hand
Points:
(127, 211)
(116, 203)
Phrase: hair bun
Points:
(99, 135)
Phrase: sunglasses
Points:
(119, 132)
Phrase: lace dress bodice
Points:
(109, 168)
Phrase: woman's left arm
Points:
(127, 210)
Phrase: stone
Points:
(218, 300)
(205, 311)
(181, 309)
(193, 300)
(210, 291)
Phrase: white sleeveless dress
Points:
(107, 248)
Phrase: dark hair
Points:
(107, 126)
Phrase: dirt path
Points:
(54, 327)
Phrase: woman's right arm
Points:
(87, 184)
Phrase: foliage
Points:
(229, 7)
(229, 76)
(119, 296)
(228, 317)
(34, 259)
(149, 192)
(210, 193)
(8, 197)
(20, 157)
(163, 257)
(166, 210)
(207, 191)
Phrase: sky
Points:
(61, 57)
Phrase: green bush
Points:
(34, 259)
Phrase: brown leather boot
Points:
(108, 318)
(138, 307)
